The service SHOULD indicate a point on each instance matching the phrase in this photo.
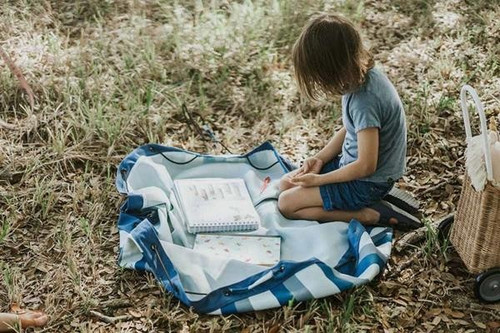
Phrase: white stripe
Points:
(405, 196)
(130, 251)
(364, 240)
(385, 249)
(216, 312)
(316, 282)
(264, 300)
(366, 251)
(262, 279)
(402, 212)
(376, 231)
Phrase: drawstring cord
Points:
(153, 247)
(205, 131)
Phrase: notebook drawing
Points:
(216, 205)
(252, 249)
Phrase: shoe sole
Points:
(403, 225)
(403, 200)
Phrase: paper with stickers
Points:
(259, 250)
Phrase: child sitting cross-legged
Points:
(348, 178)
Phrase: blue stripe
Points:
(142, 265)
(127, 222)
(238, 291)
(287, 163)
(282, 294)
(147, 238)
(340, 283)
(368, 261)
(347, 264)
(134, 202)
(382, 238)
(228, 309)
(354, 234)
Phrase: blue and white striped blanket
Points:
(317, 260)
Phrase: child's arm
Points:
(365, 165)
(333, 148)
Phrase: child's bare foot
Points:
(25, 318)
(33, 319)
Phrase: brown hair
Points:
(329, 57)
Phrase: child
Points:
(358, 167)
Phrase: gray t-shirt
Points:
(376, 104)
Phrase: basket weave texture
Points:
(475, 234)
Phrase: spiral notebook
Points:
(216, 205)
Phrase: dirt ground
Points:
(111, 75)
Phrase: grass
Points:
(111, 75)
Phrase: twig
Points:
(432, 188)
(423, 300)
(412, 238)
(478, 311)
(20, 77)
(117, 303)
(108, 319)
(415, 236)
(5, 125)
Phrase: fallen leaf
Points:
(457, 314)
(461, 322)
(436, 321)
(434, 312)
(493, 324)
(400, 302)
(480, 324)
(274, 329)
(135, 314)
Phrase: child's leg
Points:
(305, 203)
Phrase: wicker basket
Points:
(475, 234)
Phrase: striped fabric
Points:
(317, 260)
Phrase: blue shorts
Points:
(352, 195)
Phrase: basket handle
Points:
(482, 117)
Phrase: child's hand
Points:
(311, 165)
(307, 180)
